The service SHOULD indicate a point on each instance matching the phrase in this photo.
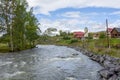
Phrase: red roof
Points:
(78, 34)
(110, 29)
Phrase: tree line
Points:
(19, 22)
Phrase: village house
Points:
(96, 36)
(115, 33)
(109, 31)
(78, 34)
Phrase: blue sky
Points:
(75, 16)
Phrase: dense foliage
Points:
(19, 23)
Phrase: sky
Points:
(75, 15)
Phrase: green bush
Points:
(66, 38)
(68, 41)
(74, 40)
(71, 41)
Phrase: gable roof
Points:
(78, 34)
(118, 29)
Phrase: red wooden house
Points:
(78, 34)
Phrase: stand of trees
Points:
(19, 23)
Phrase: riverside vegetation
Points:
(18, 24)
(98, 46)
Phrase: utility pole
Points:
(108, 41)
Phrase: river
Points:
(48, 62)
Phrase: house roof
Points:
(109, 29)
(79, 34)
(118, 29)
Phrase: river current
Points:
(48, 62)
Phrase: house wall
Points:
(115, 34)
(109, 34)
(95, 37)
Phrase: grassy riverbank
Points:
(96, 46)
(4, 48)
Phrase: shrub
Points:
(66, 38)
(74, 40)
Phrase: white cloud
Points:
(45, 6)
(76, 22)
(62, 24)
(115, 13)
(115, 24)
(102, 27)
(76, 25)
(71, 14)
(72, 25)
(97, 27)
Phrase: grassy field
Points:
(100, 46)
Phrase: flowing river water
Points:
(48, 62)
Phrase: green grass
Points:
(4, 48)
(100, 47)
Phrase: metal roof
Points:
(118, 29)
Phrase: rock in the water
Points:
(106, 73)
(101, 59)
(114, 77)
(108, 64)
(75, 54)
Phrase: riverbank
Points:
(98, 46)
(5, 49)
(111, 65)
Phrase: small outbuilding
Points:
(96, 36)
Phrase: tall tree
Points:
(6, 15)
(31, 27)
(19, 24)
